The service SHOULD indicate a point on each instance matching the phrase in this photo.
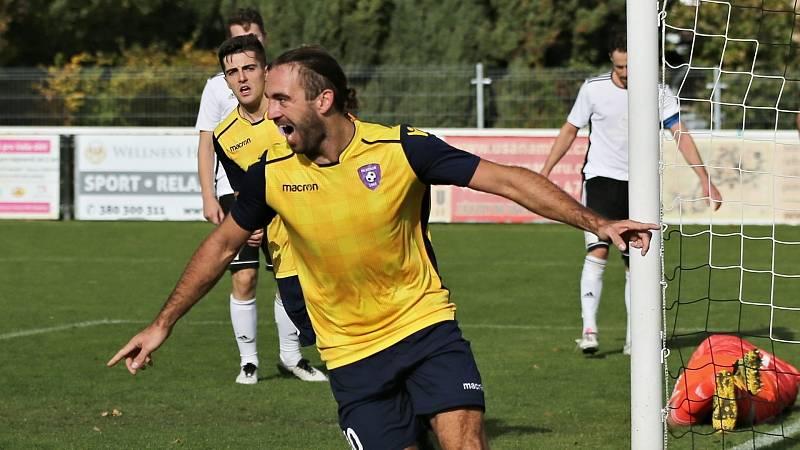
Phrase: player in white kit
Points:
(602, 103)
(216, 103)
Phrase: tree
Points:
(45, 31)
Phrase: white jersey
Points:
(603, 106)
(216, 103)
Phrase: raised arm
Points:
(201, 274)
(566, 136)
(537, 194)
(692, 156)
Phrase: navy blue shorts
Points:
(386, 399)
(295, 305)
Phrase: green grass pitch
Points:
(71, 293)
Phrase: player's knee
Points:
(600, 252)
(460, 429)
(244, 283)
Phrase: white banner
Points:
(137, 177)
(29, 177)
(758, 177)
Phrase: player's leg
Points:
(374, 409)
(244, 319)
(460, 429)
(609, 198)
(244, 316)
(619, 210)
(294, 330)
(445, 386)
(595, 197)
(591, 286)
(626, 349)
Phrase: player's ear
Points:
(325, 101)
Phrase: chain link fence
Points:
(430, 96)
(424, 96)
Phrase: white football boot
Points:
(303, 370)
(248, 374)
(588, 343)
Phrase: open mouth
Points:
(244, 89)
(286, 130)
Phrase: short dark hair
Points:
(245, 17)
(618, 42)
(241, 44)
(319, 71)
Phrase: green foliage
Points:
(40, 31)
(549, 33)
(434, 44)
(754, 43)
(145, 87)
(533, 98)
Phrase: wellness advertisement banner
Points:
(137, 177)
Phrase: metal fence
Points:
(423, 96)
(430, 96)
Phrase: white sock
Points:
(591, 289)
(288, 336)
(628, 305)
(245, 321)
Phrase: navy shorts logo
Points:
(370, 175)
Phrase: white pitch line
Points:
(89, 323)
(768, 441)
(93, 323)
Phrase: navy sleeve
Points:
(434, 161)
(232, 170)
(250, 210)
(671, 120)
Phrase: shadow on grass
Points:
(496, 427)
(278, 374)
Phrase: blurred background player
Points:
(239, 141)
(602, 103)
(217, 102)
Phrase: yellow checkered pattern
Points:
(366, 275)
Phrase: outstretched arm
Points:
(538, 194)
(201, 274)
(692, 156)
(566, 136)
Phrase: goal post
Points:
(647, 426)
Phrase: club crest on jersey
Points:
(370, 175)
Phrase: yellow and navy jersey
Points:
(238, 144)
(359, 230)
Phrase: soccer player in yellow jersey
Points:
(354, 198)
(240, 140)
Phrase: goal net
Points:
(735, 69)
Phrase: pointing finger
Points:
(129, 347)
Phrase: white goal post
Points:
(647, 426)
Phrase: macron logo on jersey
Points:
(235, 147)
(472, 386)
(300, 187)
